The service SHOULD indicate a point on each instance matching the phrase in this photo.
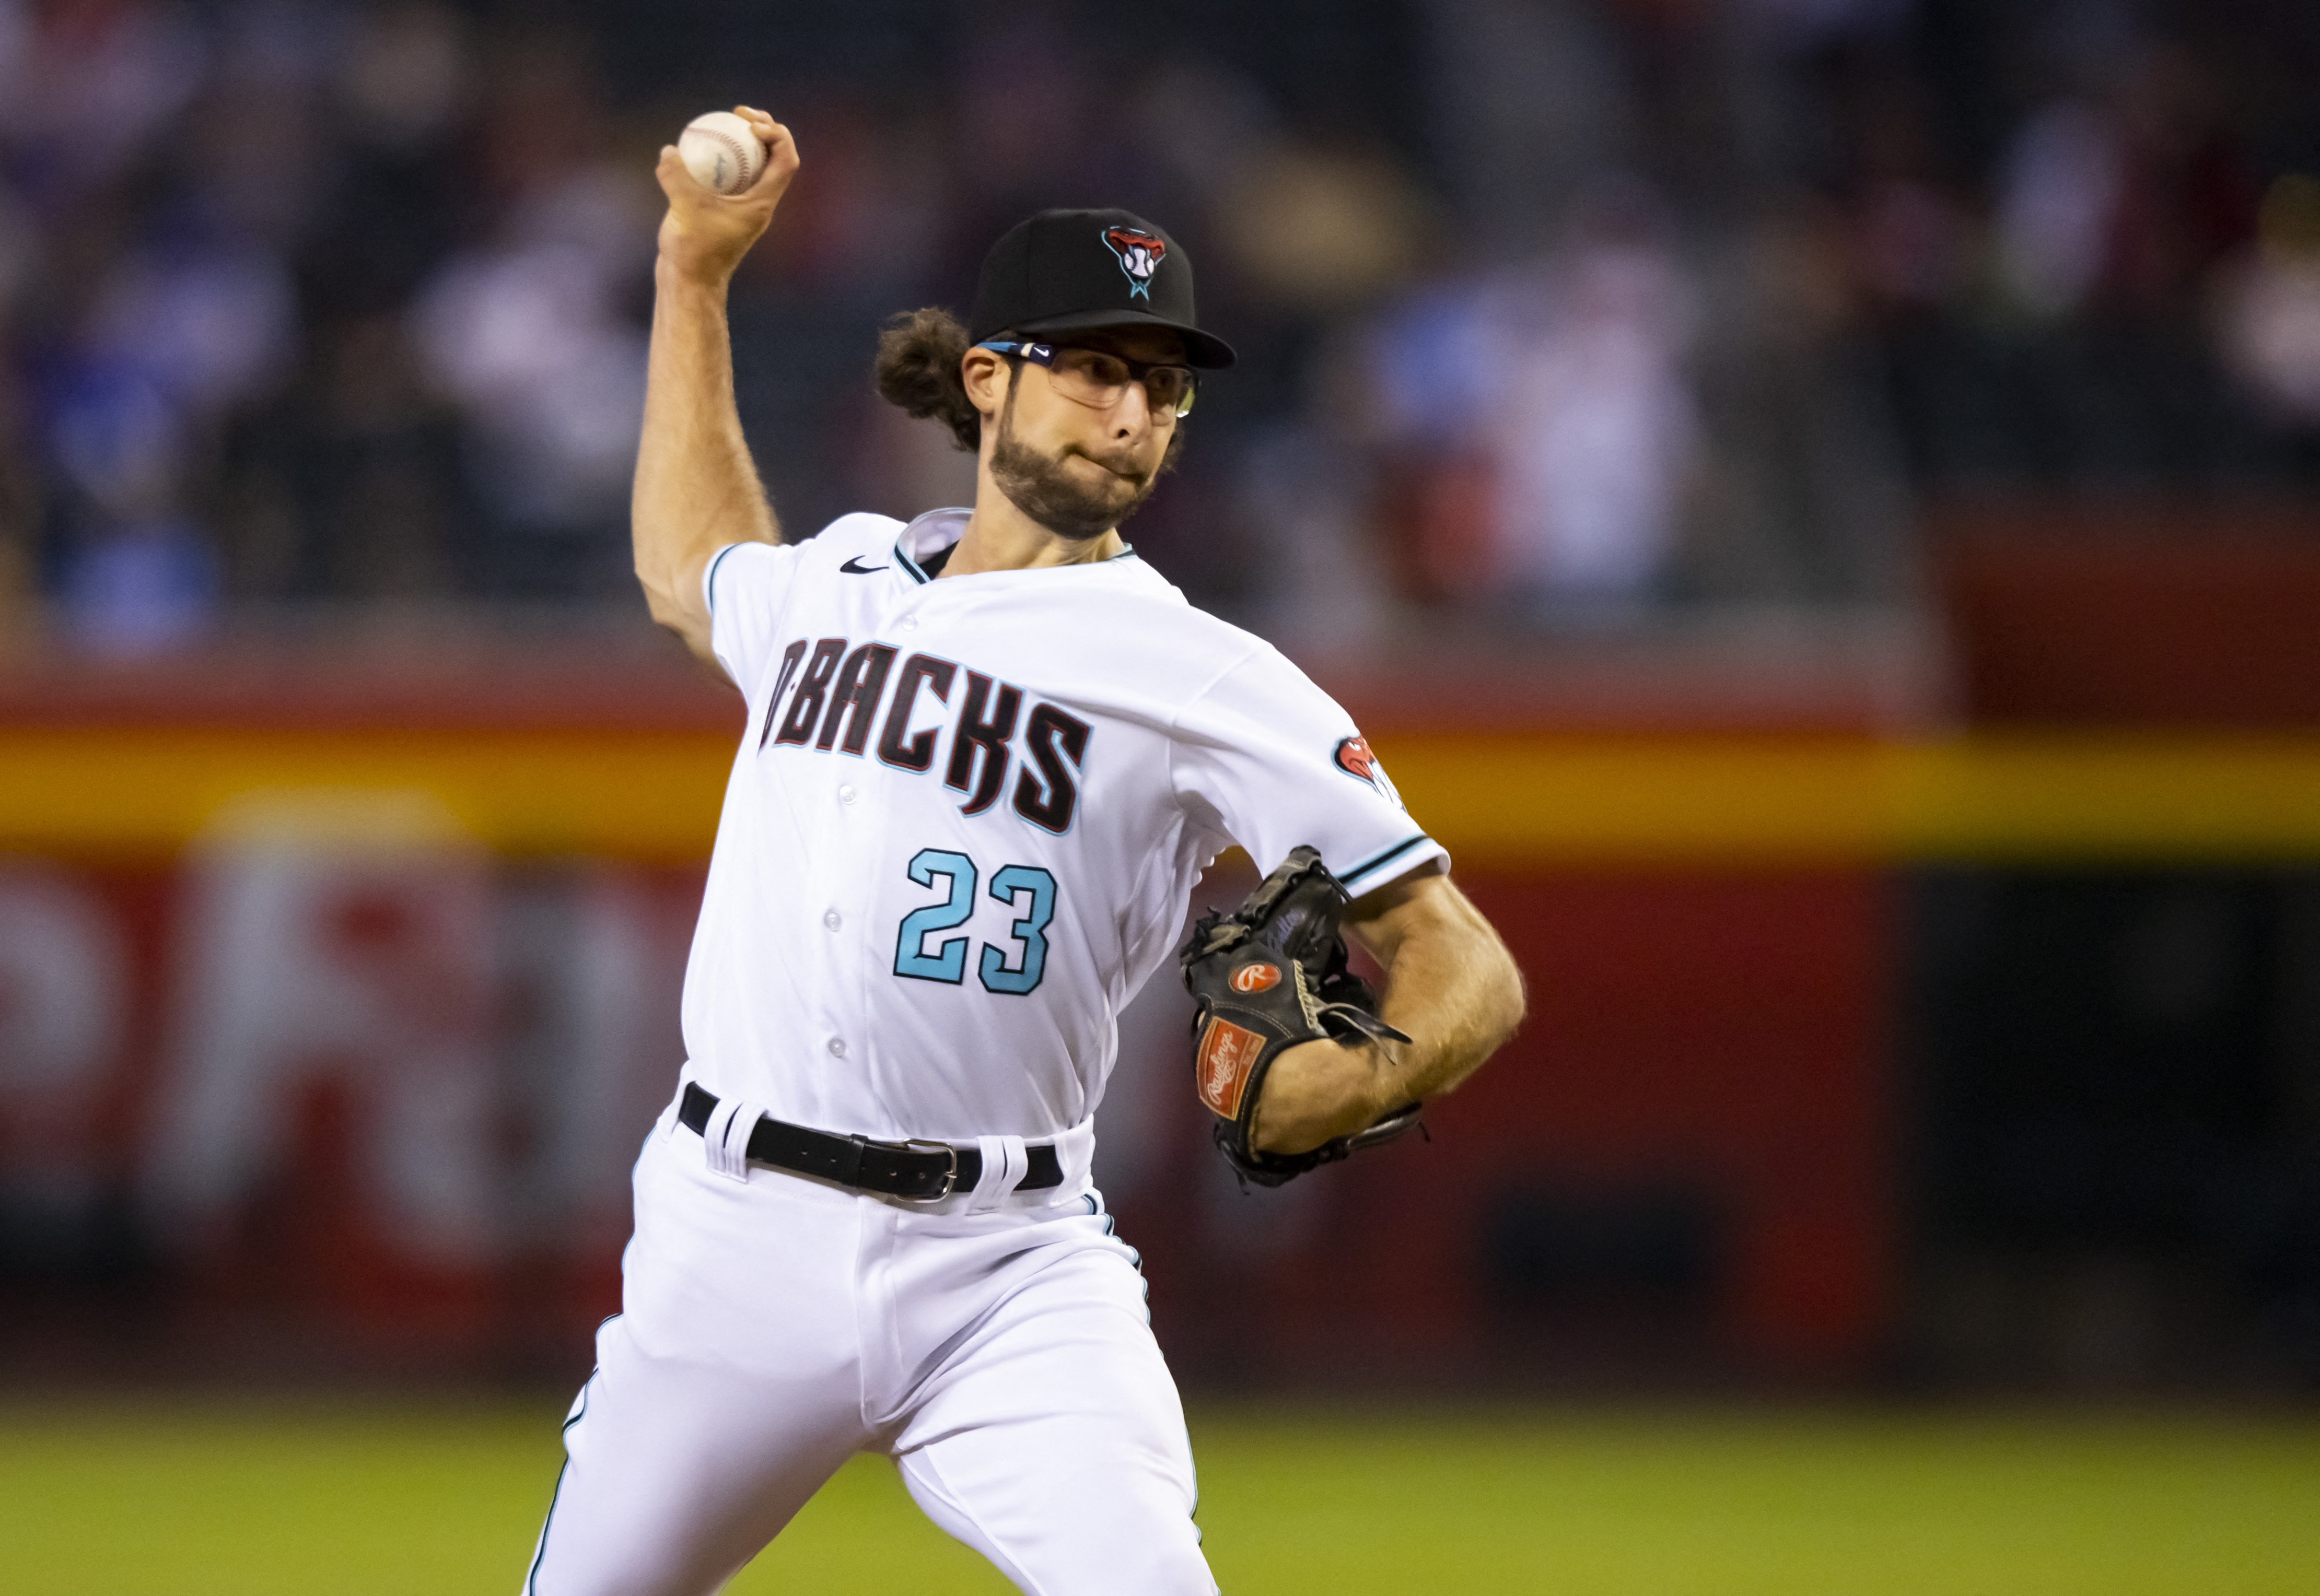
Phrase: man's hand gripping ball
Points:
(705, 233)
(1266, 978)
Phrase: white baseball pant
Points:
(772, 1328)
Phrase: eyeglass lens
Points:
(1093, 377)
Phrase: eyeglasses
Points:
(1094, 378)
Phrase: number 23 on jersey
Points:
(1013, 971)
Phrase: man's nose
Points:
(1132, 413)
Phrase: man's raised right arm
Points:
(696, 487)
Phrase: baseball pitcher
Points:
(988, 754)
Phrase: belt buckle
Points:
(950, 1176)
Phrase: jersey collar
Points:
(939, 529)
(936, 530)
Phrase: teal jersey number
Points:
(1008, 886)
(910, 956)
(947, 963)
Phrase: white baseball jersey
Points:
(965, 816)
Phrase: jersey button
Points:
(831, 920)
(910, 623)
(837, 1047)
(845, 794)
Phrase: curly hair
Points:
(918, 353)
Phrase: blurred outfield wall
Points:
(337, 987)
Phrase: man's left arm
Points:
(1450, 985)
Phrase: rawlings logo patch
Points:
(1254, 977)
(1355, 758)
(1140, 254)
(1227, 1053)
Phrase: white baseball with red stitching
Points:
(722, 151)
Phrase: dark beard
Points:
(1039, 485)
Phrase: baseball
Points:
(722, 151)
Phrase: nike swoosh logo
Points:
(855, 567)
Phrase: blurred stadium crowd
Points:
(1664, 335)
(1555, 311)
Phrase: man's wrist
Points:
(1387, 1084)
(675, 273)
(1373, 1092)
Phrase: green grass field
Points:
(171, 1498)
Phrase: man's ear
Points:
(984, 374)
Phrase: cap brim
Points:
(1203, 349)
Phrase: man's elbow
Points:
(660, 603)
(1510, 1003)
(1498, 1003)
(668, 609)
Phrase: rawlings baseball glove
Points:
(1268, 976)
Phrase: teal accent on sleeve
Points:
(709, 582)
(1377, 861)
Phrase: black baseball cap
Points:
(1065, 271)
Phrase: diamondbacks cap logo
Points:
(1355, 758)
(1227, 1053)
(1254, 977)
(1140, 254)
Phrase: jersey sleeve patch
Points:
(1354, 757)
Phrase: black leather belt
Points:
(922, 1171)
